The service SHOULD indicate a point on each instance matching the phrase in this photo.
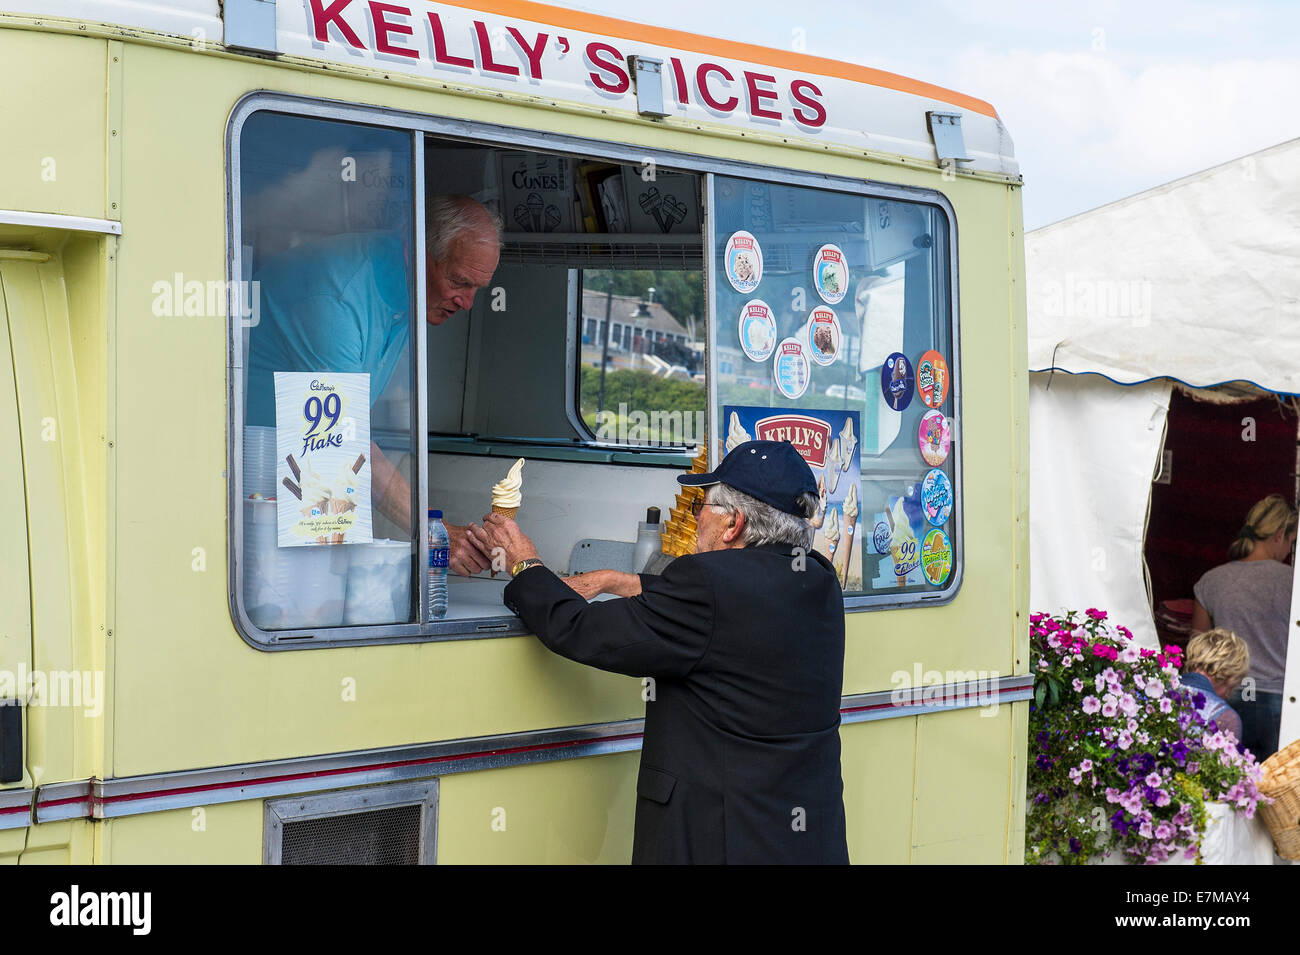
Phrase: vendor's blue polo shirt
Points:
(340, 304)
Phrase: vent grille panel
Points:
(377, 837)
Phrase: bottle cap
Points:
(435, 513)
(652, 515)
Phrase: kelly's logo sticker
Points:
(757, 330)
(823, 335)
(792, 370)
(743, 261)
(830, 274)
(811, 437)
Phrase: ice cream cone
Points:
(507, 494)
(850, 525)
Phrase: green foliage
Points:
(681, 293)
(640, 391)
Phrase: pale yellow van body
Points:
(113, 489)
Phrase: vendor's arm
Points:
(393, 500)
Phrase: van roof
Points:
(498, 43)
(732, 49)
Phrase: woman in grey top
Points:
(1251, 596)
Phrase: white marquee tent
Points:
(1194, 282)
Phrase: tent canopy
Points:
(1197, 280)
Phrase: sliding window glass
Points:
(327, 441)
(834, 329)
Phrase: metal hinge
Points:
(945, 130)
(250, 25)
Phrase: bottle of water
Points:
(439, 558)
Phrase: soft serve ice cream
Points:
(902, 544)
(736, 435)
(508, 493)
(832, 530)
(847, 443)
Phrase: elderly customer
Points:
(743, 645)
(1217, 661)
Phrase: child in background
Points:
(1217, 661)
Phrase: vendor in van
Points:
(342, 304)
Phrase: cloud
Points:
(1119, 127)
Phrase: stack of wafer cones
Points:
(679, 532)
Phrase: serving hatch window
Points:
(834, 330)
(824, 317)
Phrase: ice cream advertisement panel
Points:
(322, 437)
(828, 441)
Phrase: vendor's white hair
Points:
(765, 524)
(449, 217)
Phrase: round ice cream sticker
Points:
(757, 330)
(743, 261)
(823, 335)
(936, 557)
(936, 496)
(791, 368)
(896, 381)
(830, 274)
(932, 381)
(935, 438)
(880, 538)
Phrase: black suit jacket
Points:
(741, 756)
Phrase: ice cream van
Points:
(226, 408)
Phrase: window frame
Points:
(417, 125)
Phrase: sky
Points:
(1102, 99)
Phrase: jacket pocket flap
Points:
(655, 784)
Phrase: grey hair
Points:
(765, 524)
(448, 217)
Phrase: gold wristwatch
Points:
(524, 564)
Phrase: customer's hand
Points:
(466, 557)
(499, 531)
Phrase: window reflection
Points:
(327, 242)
